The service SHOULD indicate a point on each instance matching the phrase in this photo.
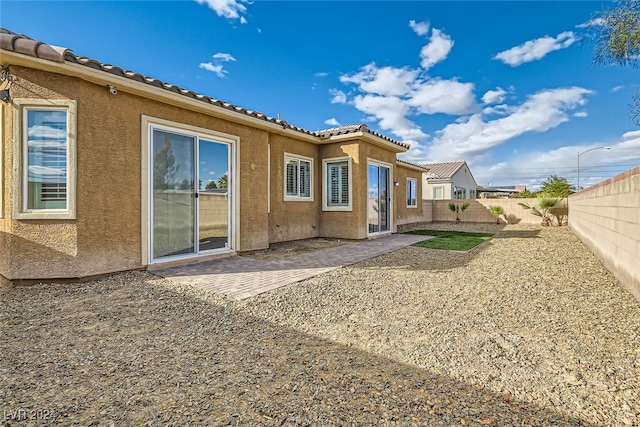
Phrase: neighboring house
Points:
(450, 180)
(104, 170)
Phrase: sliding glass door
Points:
(190, 194)
(173, 194)
(378, 210)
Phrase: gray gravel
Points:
(527, 329)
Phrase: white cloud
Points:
(388, 81)
(591, 23)
(391, 113)
(339, 97)
(494, 96)
(532, 168)
(617, 88)
(438, 48)
(533, 50)
(218, 69)
(581, 114)
(332, 122)
(475, 137)
(321, 74)
(420, 28)
(224, 57)
(443, 96)
(230, 9)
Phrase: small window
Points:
(412, 193)
(336, 184)
(298, 181)
(459, 193)
(438, 193)
(46, 158)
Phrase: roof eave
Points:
(133, 87)
(410, 166)
(372, 139)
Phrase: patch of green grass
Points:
(451, 240)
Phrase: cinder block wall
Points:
(478, 211)
(606, 217)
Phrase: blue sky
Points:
(508, 86)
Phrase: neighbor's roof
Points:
(443, 170)
(25, 45)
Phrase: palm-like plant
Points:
(543, 209)
(458, 209)
(497, 211)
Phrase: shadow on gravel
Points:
(127, 350)
(518, 234)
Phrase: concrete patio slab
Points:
(239, 277)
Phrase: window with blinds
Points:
(337, 184)
(412, 193)
(46, 159)
(298, 181)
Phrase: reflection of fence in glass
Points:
(214, 214)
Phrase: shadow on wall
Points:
(261, 366)
(44, 261)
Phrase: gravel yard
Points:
(527, 329)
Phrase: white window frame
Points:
(440, 187)
(298, 197)
(148, 124)
(415, 188)
(21, 107)
(325, 188)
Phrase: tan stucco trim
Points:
(234, 143)
(325, 162)
(367, 137)
(123, 84)
(20, 183)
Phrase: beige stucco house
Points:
(448, 181)
(101, 171)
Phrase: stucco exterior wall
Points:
(404, 214)
(293, 220)
(606, 217)
(106, 236)
(346, 224)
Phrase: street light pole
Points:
(580, 154)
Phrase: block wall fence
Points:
(606, 217)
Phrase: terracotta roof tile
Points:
(25, 45)
(415, 165)
(443, 170)
(354, 128)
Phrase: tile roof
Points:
(25, 45)
(360, 127)
(443, 170)
(415, 165)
